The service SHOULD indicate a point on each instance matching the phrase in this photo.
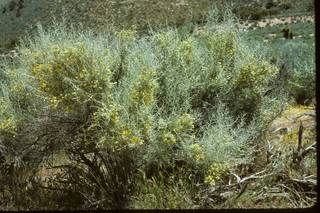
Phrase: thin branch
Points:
(310, 148)
(253, 176)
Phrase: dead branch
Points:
(309, 180)
(310, 148)
(251, 177)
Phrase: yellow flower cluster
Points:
(163, 41)
(222, 44)
(146, 126)
(106, 116)
(169, 138)
(197, 152)
(216, 170)
(184, 123)
(253, 74)
(144, 88)
(126, 36)
(118, 134)
(129, 137)
(8, 125)
(68, 76)
(17, 84)
(177, 128)
(114, 117)
(17, 88)
(187, 47)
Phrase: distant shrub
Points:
(250, 12)
(269, 4)
(273, 11)
(285, 4)
(299, 62)
(309, 5)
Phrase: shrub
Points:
(250, 12)
(285, 4)
(118, 104)
(298, 63)
(70, 77)
(269, 4)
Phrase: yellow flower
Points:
(126, 35)
(53, 102)
(168, 138)
(144, 89)
(136, 140)
(147, 126)
(216, 170)
(114, 117)
(184, 123)
(125, 133)
(197, 151)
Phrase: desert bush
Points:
(68, 76)
(309, 6)
(298, 62)
(285, 4)
(252, 12)
(100, 179)
(269, 4)
(119, 103)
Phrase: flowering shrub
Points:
(187, 48)
(197, 152)
(216, 170)
(143, 90)
(250, 84)
(178, 129)
(69, 76)
(164, 99)
(255, 74)
(169, 138)
(222, 45)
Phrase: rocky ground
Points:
(285, 128)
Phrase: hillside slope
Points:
(20, 16)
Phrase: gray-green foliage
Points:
(170, 97)
(299, 59)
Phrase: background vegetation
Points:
(19, 17)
